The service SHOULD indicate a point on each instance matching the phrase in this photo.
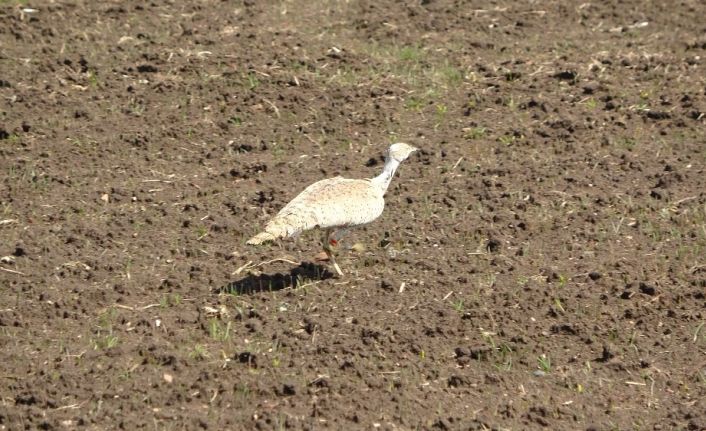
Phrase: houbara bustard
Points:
(334, 205)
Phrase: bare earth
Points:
(540, 262)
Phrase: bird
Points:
(335, 205)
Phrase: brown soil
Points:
(540, 262)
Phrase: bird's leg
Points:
(329, 242)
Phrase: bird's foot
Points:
(326, 256)
(330, 258)
(338, 269)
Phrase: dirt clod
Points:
(647, 289)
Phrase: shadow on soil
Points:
(305, 273)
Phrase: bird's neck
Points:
(383, 180)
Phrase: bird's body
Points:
(335, 204)
(331, 203)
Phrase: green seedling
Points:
(93, 79)
(628, 143)
(475, 133)
(545, 364)
(201, 232)
(441, 110)
(697, 331)
(558, 305)
(170, 300)
(503, 357)
(410, 53)
(219, 332)
(507, 139)
(107, 342)
(199, 352)
(414, 104)
(252, 81)
(451, 75)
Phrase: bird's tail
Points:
(279, 227)
(261, 237)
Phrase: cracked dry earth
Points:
(540, 263)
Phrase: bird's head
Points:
(400, 151)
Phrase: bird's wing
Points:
(334, 202)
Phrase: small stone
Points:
(457, 381)
(253, 326)
(591, 87)
(608, 353)
(566, 75)
(593, 275)
(462, 362)
(462, 351)
(647, 289)
(493, 245)
(288, 390)
(248, 358)
(385, 285)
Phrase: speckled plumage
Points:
(335, 203)
(331, 203)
